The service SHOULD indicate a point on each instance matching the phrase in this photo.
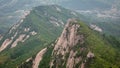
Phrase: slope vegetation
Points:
(26, 38)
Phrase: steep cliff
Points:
(79, 47)
(67, 48)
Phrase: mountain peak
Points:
(65, 51)
(68, 35)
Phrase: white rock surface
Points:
(26, 29)
(28, 59)
(33, 33)
(19, 39)
(90, 55)
(38, 58)
(5, 44)
(96, 28)
(74, 13)
(25, 38)
(58, 9)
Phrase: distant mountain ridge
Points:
(97, 12)
(11, 11)
(103, 13)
